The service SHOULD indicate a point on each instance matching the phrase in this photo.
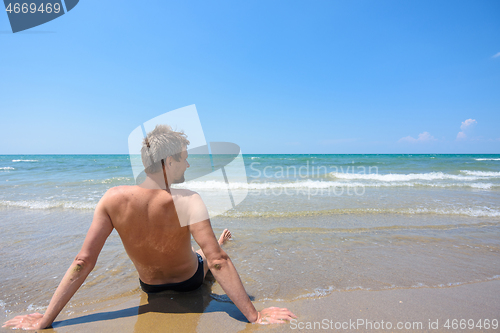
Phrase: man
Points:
(155, 224)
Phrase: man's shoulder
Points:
(119, 193)
(186, 196)
(122, 189)
(184, 192)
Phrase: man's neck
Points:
(156, 181)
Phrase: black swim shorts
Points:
(190, 284)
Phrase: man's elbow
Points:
(83, 264)
(218, 261)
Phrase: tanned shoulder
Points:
(116, 195)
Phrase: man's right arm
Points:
(225, 273)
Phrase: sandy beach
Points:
(425, 309)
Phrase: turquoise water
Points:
(460, 183)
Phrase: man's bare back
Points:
(149, 227)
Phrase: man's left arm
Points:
(82, 265)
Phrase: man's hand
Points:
(27, 322)
(274, 315)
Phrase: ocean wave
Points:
(492, 174)
(472, 212)
(7, 168)
(24, 160)
(487, 159)
(217, 185)
(323, 292)
(319, 184)
(483, 186)
(113, 180)
(395, 177)
(42, 204)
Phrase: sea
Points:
(304, 226)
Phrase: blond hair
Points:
(159, 144)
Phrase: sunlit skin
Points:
(148, 222)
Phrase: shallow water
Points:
(277, 258)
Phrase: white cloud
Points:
(496, 55)
(422, 137)
(467, 123)
(466, 127)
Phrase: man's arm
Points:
(225, 273)
(83, 264)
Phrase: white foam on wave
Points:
(474, 212)
(321, 292)
(395, 177)
(487, 159)
(110, 180)
(450, 284)
(471, 211)
(483, 186)
(33, 204)
(481, 173)
(216, 185)
(24, 160)
(7, 168)
(318, 184)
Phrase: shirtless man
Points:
(155, 224)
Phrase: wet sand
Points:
(199, 312)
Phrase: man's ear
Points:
(168, 161)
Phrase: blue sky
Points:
(272, 76)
